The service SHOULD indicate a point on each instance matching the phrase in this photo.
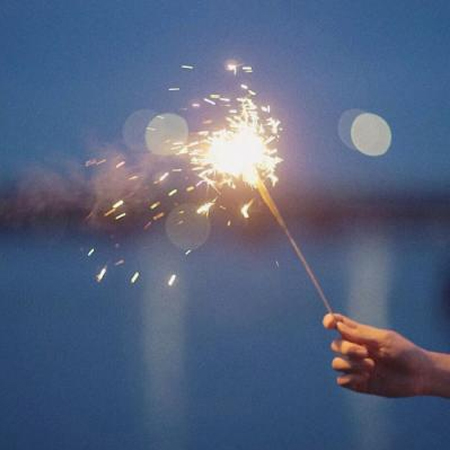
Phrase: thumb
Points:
(357, 332)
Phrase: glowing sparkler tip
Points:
(244, 150)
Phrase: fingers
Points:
(355, 382)
(330, 321)
(349, 349)
(358, 333)
(355, 366)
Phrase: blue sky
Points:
(74, 71)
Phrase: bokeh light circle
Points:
(345, 126)
(166, 133)
(371, 134)
(134, 129)
(186, 228)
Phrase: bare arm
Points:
(438, 380)
(383, 362)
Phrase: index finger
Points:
(330, 320)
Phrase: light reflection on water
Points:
(370, 271)
(164, 340)
(231, 356)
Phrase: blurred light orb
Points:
(365, 132)
(186, 228)
(345, 126)
(371, 134)
(134, 129)
(166, 134)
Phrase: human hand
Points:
(377, 361)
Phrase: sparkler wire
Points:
(270, 203)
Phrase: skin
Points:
(383, 362)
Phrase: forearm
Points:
(438, 376)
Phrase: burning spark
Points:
(134, 277)
(243, 150)
(122, 163)
(163, 177)
(119, 262)
(206, 207)
(245, 208)
(99, 277)
(232, 67)
(91, 251)
(172, 279)
(94, 162)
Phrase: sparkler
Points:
(244, 151)
(268, 200)
(240, 150)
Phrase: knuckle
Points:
(389, 335)
(369, 363)
(387, 341)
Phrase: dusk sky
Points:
(114, 336)
(72, 72)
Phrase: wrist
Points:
(436, 375)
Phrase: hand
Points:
(376, 361)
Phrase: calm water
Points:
(233, 356)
